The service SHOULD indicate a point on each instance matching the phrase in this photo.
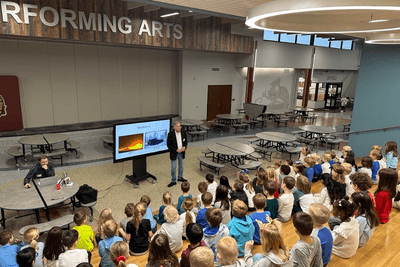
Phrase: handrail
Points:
(369, 130)
(357, 132)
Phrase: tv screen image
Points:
(155, 139)
(130, 143)
(140, 139)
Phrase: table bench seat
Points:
(253, 140)
(45, 227)
(55, 154)
(293, 150)
(251, 165)
(266, 151)
(239, 126)
(73, 146)
(282, 120)
(210, 164)
(197, 134)
(107, 141)
(15, 152)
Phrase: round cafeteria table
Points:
(312, 130)
(40, 141)
(234, 152)
(16, 197)
(190, 125)
(230, 119)
(276, 140)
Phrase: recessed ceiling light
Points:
(190, 11)
(378, 20)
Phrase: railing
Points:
(357, 132)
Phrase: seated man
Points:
(42, 169)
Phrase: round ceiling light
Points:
(326, 16)
(383, 38)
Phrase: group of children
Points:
(218, 224)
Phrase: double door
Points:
(333, 91)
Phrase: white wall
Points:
(197, 76)
(63, 83)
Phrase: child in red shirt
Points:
(385, 192)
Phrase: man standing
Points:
(177, 144)
(42, 169)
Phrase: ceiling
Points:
(237, 10)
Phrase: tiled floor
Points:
(93, 152)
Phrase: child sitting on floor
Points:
(366, 165)
(309, 170)
(202, 187)
(138, 231)
(185, 187)
(325, 166)
(270, 188)
(216, 230)
(173, 228)
(206, 198)
(346, 235)
(362, 182)
(167, 200)
(149, 213)
(302, 196)
(129, 213)
(194, 234)
(347, 170)
(260, 215)
(110, 230)
(223, 202)
(286, 200)
(119, 253)
(385, 192)
(241, 227)
(9, 248)
(188, 216)
(31, 236)
(202, 257)
(367, 216)
(211, 185)
(72, 255)
(227, 252)
(275, 252)
(317, 166)
(105, 215)
(247, 188)
(238, 192)
(307, 251)
(26, 258)
(86, 235)
(320, 216)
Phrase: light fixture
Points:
(169, 14)
(323, 16)
(378, 20)
(383, 38)
(190, 11)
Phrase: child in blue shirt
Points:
(374, 155)
(260, 215)
(149, 214)
(207, 199)
(167, 199)
(391, 154)
(309, 170)
(320, 216)
(9, 249)
(241, 227)
(317, 165)
(185, 187)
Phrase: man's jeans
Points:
(179, 158)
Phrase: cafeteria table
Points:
(276, 140)
(234, 152)
(43, 142)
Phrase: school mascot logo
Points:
(3, 107)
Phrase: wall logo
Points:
(3, 107)
(277, 97)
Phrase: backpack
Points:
(86, 194)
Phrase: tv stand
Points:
(139, 171)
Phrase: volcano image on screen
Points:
(130, 143)
(158, 138)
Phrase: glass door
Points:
(333, 91)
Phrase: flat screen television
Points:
(140, 139)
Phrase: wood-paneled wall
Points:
(65, 83)
(208, 34)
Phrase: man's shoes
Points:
(182, 180)
(171, 184)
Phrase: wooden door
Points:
(219, 100)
